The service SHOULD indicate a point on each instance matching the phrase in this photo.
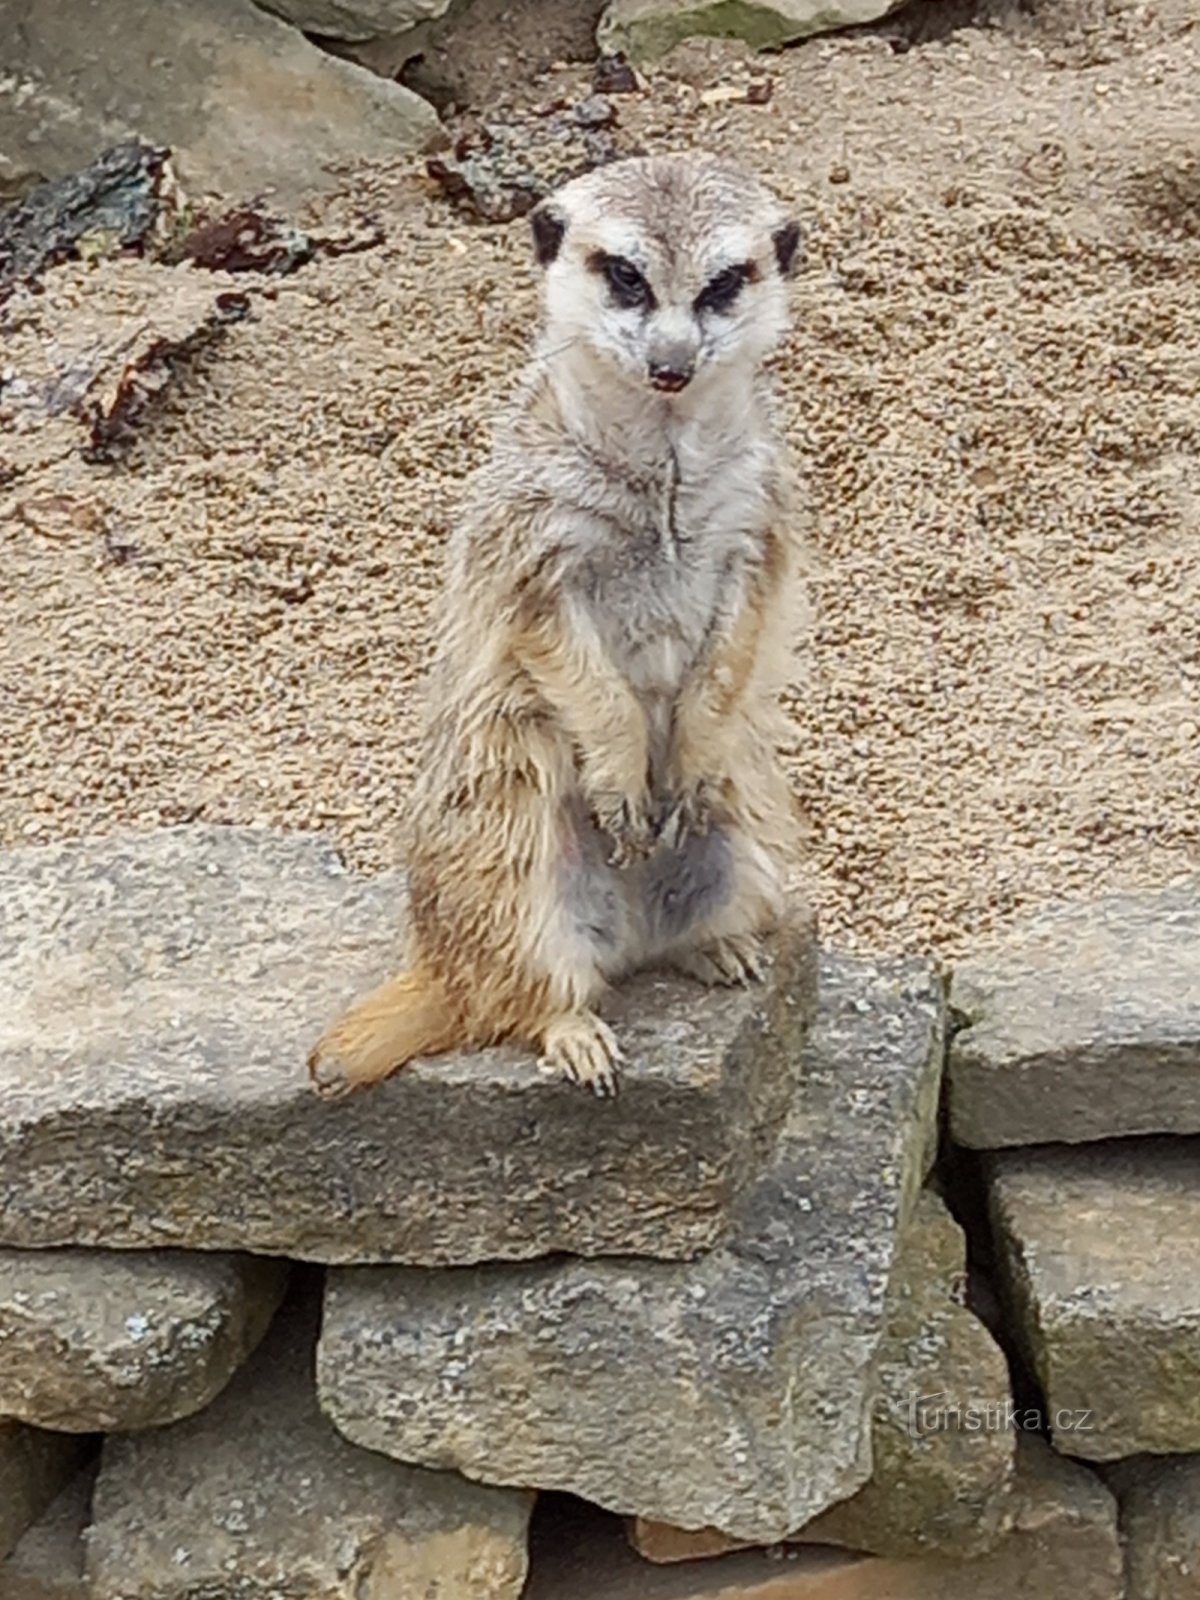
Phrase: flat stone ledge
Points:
(731, 1391)
(111, 1341)
(1097, 1247)
(941, 1482)
(1081, 1024)
(159, 993)
(1062, 1543)
(258, 1498)
(34, 1467)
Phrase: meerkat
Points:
(600, 787)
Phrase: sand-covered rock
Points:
(644, 29)
(34, 1467)
(158, 995)
(47, 1563)
(1063, 1542)
(1098, 1248)
(942, 1467)
(103, 1341)
(732, 1390)
(1159, 1508)
(246, 102)
(1081, 1023)
(258, 1498)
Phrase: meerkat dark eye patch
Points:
(626, 283)
(720, 292)
(548, 227)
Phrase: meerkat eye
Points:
(720, 292)
(626, 284)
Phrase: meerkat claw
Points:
(733, 961)
(328, 1075)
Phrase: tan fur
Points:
(600, 787)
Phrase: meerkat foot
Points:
(331, 1076)
(734, 959)
(581, 1047)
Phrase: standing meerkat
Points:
(599, 787)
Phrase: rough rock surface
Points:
(731, 1390)
(941, 1482)
(1097, 1247)
(1159, 1507)
(1063, 1542)
(102, 1341)
(159, 992)
(644, 29)
(1083, 1024)
(246, 102)
(258, 1498)
(47, 1563)
(34, 1467)
(357, 19)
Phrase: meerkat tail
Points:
(410, 1015)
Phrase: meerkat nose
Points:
(671, 379)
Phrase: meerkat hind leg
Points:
(708, 904)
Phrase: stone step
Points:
(1159, 1511)
(47, 1564)
(942, 1466)
(1097, 1247)
(732, 1390)
(1063, 1542)
(102, 1341)
(159, 993)
(258, 1497)
(34, 1467)
(1081, 1024)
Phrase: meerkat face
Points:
(670, 269)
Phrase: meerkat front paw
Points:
(581, 1047)
(626, 822)
(689, 813)
(735, 959)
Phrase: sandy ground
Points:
(992, 389)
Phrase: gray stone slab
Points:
(103, 1341)
(1099, 1248)
(258, 1498)
(1159, 1501)
(733, 1390)
(47, 1564)
(357, 19)
(158, 996)
(246, 103)
(943, 1468)
(34, 1467)
(1081, 1024)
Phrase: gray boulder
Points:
(47, 1563)
(1082, 1023)
(258, 1498)
(1159, 1499)
(731, 1391)
(158, 995)
(247, 104)
(644, 29)
(1098, 1250)
(102, 1341)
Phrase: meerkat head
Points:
(670, 269)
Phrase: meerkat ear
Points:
(787, 242)
(549, 225)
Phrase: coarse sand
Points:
(993, 391)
